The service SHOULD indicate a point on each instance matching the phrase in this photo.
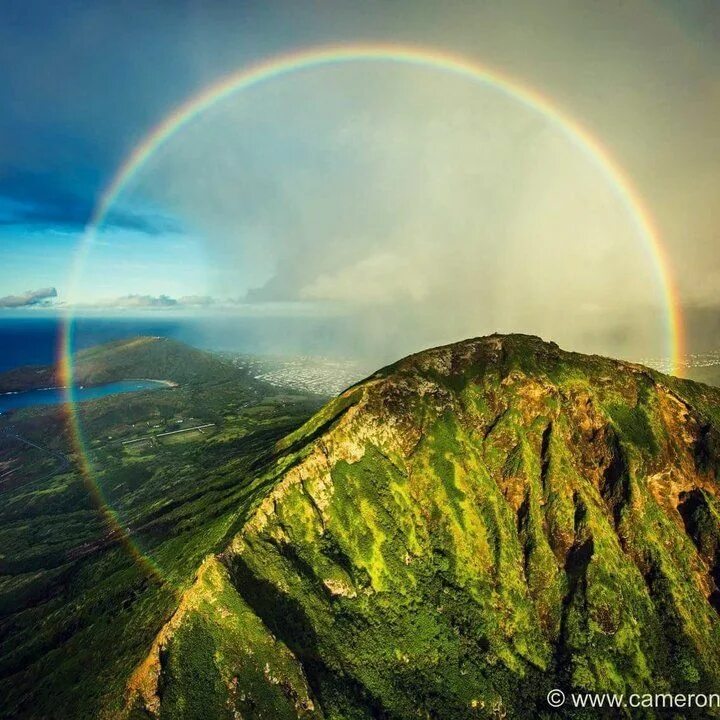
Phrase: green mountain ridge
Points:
(455, 536)
(161, 358)
(77, 609)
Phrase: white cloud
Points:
(29, 298)
(381, 278)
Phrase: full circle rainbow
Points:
(315, 57)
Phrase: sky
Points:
(416, 205)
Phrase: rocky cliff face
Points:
(456, 535)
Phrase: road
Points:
(165, 434)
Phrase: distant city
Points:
(320, 375)
(691, 361)
(330, 376)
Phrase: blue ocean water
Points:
(56, 396)
(34, 340)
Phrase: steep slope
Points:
(456, 535)
(93, 564)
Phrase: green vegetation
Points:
(141, 357)
(85, 586)
(453, 537)
(460, 533)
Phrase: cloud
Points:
(197, 300)
(382, 278)
(141, 301)
(29, 298)
(152, 302)
(427, 211)
(431, 207)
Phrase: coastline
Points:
(166, 383)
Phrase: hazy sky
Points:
(421, 207)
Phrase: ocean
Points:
(34, 340)
(56, 396)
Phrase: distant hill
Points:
(141, 357)
(455, 536)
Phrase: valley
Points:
(101, 534)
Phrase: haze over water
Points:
(35, 340)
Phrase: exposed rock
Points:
(468, 528)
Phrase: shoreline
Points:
(166, 383)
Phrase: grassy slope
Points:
(77, 611)
(455, 536)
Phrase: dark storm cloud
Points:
(83, 82)
(29, 298)
(32, 200)
(29, 198)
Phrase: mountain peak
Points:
(527, 353)
(468, 528)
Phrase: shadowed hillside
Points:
(93, 564)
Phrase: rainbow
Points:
(437, 60)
